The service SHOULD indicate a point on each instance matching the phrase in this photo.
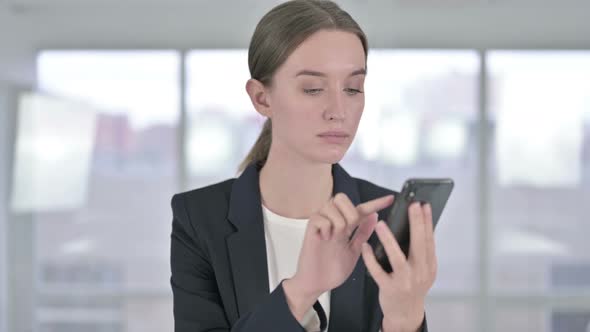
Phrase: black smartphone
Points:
(436, 192)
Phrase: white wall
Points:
(29, 25)
(3, 205)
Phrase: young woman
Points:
(278, 248)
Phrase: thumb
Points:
(364, 231)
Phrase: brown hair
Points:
(277, 35)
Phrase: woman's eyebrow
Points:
(361, 71)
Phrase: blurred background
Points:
(109, 107)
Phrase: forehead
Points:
(328, 51)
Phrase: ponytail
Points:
(259, 151)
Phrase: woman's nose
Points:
(336, 108)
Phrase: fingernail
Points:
(416, 206)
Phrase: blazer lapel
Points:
(346, 300)
(247, 247)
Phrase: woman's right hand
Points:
(328, 254)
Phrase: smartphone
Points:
(436, 192)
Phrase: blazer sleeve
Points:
(196, 299)
(423, 327)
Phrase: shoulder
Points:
(369, 190)
(206, 194)
(199, 207)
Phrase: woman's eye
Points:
(349, 91)
(353, 92)
(312, 91)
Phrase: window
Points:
(103, 264)
(540, 187)
(219, 110)
(102, 257)
(540, 115)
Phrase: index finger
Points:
(374, 205)
(417, 252)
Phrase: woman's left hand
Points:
(402, 292)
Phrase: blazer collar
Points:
(247, 251)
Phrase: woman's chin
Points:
(330, 156)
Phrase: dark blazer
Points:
(219, 269)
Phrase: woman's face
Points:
(319, 89)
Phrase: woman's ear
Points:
(259, 97)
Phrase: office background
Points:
(108, 108)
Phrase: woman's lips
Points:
(334, 138)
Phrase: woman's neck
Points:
(294, 188)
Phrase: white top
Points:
(284, 239)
